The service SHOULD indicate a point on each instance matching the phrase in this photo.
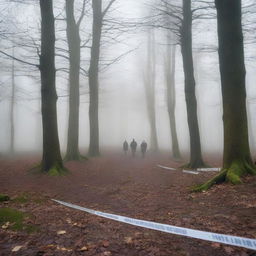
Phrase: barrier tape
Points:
(196, 171)
(172, 169)
(208, 169)
(190, 172)
(167, 168)
(208, 236)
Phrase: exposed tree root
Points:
(233, 175)
(55, 170)
(215, 180)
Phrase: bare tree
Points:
(149, 84)
(191, 103)
(180, 20)
(98, 16)
(12, 104)
(74, 45)
(237, 158)
(51, 161)
(170, 66)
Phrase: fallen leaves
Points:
(216, 245)
(107, 253)
(84, 248)
(6, 225)
(105, 243)
(229, 250)
(17, 248)
(128, 240)
(64, 249)
(69, 221)
(61, 232)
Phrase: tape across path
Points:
(190, 172)
(214, 169)
(167, 168)
(208, 236)
(172, 169)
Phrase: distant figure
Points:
(133, 146)
(143, 148)
(125, 147)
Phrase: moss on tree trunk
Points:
(237, 160)
(232, 174)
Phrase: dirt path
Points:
(126, 186)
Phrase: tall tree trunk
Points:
(237, 158)
(12, 107)
(149, 82)
(196, 63)
(251, 132)
(171, 98)
(186, 50)
(93, 78)
(51, 160)
(74, 72)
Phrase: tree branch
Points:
(107, 8)
(22, 61)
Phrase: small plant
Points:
(21, 199)
(13, 219)
(4, 198)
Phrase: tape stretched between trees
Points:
(167, 168)
(190, 172)
(208, 236)
(214, 169)
(172, 169)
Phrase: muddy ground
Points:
(133, 187)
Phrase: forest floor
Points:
(132, 187)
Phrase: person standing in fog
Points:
(143, 148)
(133, 146)
(125, 147)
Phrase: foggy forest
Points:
(127, 127)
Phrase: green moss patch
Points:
(4, 198)
(24, 198)
(233, 174)
(28, 198)
(57, 171)
(13, 219)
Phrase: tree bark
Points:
(51, 160)
(74, 73)
(12, 107)
(171, 100)
(191, 104)
(237, 158)
(93, 78)
(149, 83)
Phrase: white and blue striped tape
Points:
(208, 236)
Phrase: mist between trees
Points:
(147, 70)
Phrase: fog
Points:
(122, 100)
